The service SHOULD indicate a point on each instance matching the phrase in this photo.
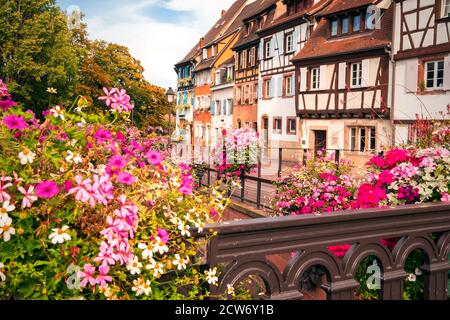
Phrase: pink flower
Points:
(163, 235)
(185, 189)
(4, 184)
(47, 189)
(102, 136)
(339, 250)
(386, 177)
(213, 212)
(154, 157)
(125, 178)
(377, 161)
(445, 197)
(87, 276)
(106, 255)
(103, 278)
(395, 156)
(6, 104)
(28, 196)
(108, 96)
(120, 136)
(117, 163)
(15, 122)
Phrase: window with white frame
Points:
(267, 48)
(289, 42)
(252, 57)
(267, 91)
(217, 102)
(446, 8)
(288, 85)
(362, 139)
(434, 74)
(277, 125)
(291, 125)
(373, 139)
(356, 74)
(250, 94)
(315, 78)
(353, 139)
(334, 27)
(244, 59)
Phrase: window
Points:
(217, 107)
(289, 42)
(434, 74)
(345, 25)
(205, 54)
(238, 95)
(292, 126)
(255, 93)
(446, 11)
(289, 86)
(356, 23)
(267, 91)
(277, 125)
(372, 142)
(362, 139)
(356, 74)
(244, 59)
(224, 107)
(250, 94)
(352, 139)
(267, 48)
(251, 58)
(315, 78)
(334, 27)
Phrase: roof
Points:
(205, 64)
(250, 37)
(262, 6)
(320, 45)
(228, 61)
(337, 6)
(191, 55)
(285, 18)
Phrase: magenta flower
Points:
(47, 189)
(126, 178)
(154, 157)
(164, 235)
(185, 189)
(102, 135)
(6, 104)
(117, 162)
(15, 122)
(87, 276)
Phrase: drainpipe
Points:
(393, 77)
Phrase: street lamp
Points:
(170, 94)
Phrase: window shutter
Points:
(342, 70)
(230, 109)
(185, 98)
(295, 39)
(212, 106)
(272, 87)
(280, 86)
(272, 46)
(365, 80)
(260, 88)
(303, 79)
(323, 77)
(293, 85)
(447, 73)
(261, 49)
(280, 38)
(412, 75)
(224, 107)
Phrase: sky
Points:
(158, 32)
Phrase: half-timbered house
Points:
(343, 74)
(421, 48)
(284, 36)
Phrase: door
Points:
(320, 140)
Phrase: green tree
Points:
(36, 52)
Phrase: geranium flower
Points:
(125, 178)
(28, 196)
(117, 163)
(134, 266)
(163, 235)
(108, 96)
(6, 104)
(5, 228)
(15, 122)
(26, 156)
(60, 235)
(47, 189)
(102, 135)
(411, 277)
(154, 157)
(445, 197)
(87, 276)
(4, 184)
(103, 278)
(211, 276)
(106, 255)
(74, 157)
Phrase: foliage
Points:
(90, 209)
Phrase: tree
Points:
(36, 52)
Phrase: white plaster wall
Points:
(221, 121)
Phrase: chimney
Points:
(223, 12)
(201, 42)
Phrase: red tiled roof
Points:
(321, 45)
(344, 5)
(191, 55)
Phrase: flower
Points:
(147, 252)
(2, 274)
(184, 228)
(47, 189)
(52, 90)
(5, 228)
(57, 112)
(134, 266)
(5, 208)
(211, 276)
(180, 263)
(103, 278)
(6, 104)
(74, 157)
(15, 122)
(230, 290)
(102, 135)
(146, 288)
(106, 254)
(108, 96)
(4, 196)
(163, 235)
(126, 178)
(117, 163)
(159, 246)
(87, 276)
(154, 157)
(157, 267)
(418, 272)
(412, 277)
(445, 197)
(26, 156)
(60, 235)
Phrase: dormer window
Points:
(345, 25)
(356, 23)
(334, 27)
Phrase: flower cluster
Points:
(117, 100)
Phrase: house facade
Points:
(421, 51)
(343, 73)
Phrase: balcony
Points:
(279, 251)
(185, 82)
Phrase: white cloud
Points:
(158, 45)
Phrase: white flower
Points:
(146, 288)
(138, 286)
(5, 228)
(134, 266)
(412, 277)
(157, 268)
(179, 263)
(2, 275)
(199, 225)
(60, 235)
(5, 208)
(418, 272)
(211, 276)
(159, 246)
(184, 228)
(26, 156)
(147, 253)
(74, 157)
(230, 290)
(58, 113)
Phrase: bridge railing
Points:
(251, 247)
